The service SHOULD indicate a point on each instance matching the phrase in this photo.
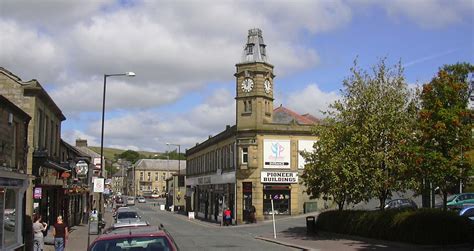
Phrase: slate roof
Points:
(88, 151)
(160, 165)
(283, 115)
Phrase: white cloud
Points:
(429, 13)
(152, 129)
(70, 136)
(28, 53)
(311, 100)
(122, 93)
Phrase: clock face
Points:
(247, 85)
(267, 85)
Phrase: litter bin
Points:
(310, 225)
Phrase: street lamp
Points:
(128, 74)
(179, 156)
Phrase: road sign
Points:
(98, 185)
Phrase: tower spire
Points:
(254, 50)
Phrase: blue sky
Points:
(184, 54)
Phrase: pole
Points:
(179, 160)
(102, 141)
(273, 219)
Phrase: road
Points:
(196, 235)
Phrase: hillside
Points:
(110, 153)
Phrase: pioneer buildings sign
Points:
(279, 177)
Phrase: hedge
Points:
(423, 226)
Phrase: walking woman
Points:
(60, 233)
(38, 228)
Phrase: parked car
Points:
(401, 204)
(128, 224)
(127, 216)
(468, 212)
(460, 200)
(130, 201)
(119, 201)
(136, 238)
(141, 200)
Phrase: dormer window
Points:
(262, 50)
(249, 49)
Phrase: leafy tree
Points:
(362, 151)
(330, 171)
(129, 155)
(445, 128)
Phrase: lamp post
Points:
(179, 156)
(128, 74)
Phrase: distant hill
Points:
(110, 153)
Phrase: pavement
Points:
(77, 240)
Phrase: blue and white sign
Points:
(276, 153)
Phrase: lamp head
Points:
(130, 74)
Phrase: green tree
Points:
(330, 171)
(445, 128)
(129, 155)
(366, 156)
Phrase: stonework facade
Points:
(258, 160)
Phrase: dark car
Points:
(149, 238)
(401, 204)
(468, 212)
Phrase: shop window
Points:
(281, 199)
(180, 181)
(9, 217)
(245, 155)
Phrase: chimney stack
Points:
(81, 142)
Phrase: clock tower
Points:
(254, 84)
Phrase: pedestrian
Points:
(216, 209)
(39, 227)
(60, 234)
(227, 217)
(253, 218)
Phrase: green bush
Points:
(423, 226)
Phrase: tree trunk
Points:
(340, 205)
(382, 198)
(445, 200)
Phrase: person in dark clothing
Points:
(216, 209)
(206, 210)
(253, 218)
(60, 233)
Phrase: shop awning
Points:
(54, 165)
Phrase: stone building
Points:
(13, 177)
(257, 160)
(44, 135)
(149, 176)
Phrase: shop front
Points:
(277, 188)
(213, 194)
(12, 192)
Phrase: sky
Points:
(184, 55)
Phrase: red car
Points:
(149, 238)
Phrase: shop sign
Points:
(37, 192)
(82, 168)
(304, 146)
(204, 180)
(98, 185)
(279, 177)
(96, 162)
(7, 182)
(276, 153)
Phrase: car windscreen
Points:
(127, 215)
(451, 198)
(133, 243)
